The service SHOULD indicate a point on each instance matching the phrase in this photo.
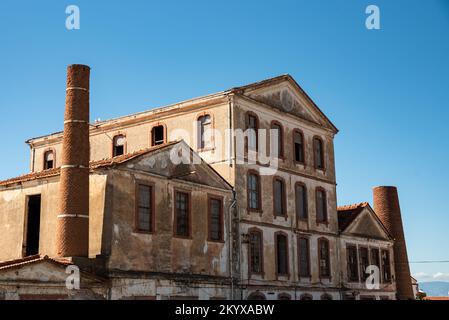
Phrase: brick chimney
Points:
(72, 232)
(386, 206)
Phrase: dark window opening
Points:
(299, 147)
(321, 206)
(304, 257)
(182, 227)
(252, 127)
(215, 219)
(253, 191)
(144, 208)
(282, 255)
(280, 139)
(364, 262)
(301, 202)
(255, 252)
(375, 258)
(49, 160)
(386, 267)
(324, 259)
(119, 145)
(318, 153)
(157, 135)
(204, 132)
(353, 270)
(279, 197)
(33, 225)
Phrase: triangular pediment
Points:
(367, 225)
(178, 161)
(285, 94)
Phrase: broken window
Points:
(252, 127)
(321, 205)
(301, 202)
(304, 257)
(324, 259)
(204, 132)
(49, 160)
(298, 141)
(386, 267)
(282, 254)
(364, 262)
(215, 219)
(280, 138)
(253, 191)
(182, 223)
(279, 197)
(33, 225)
(119, 142)
(144, 208)
(375, 258)
(353, 268)
(318, 153)
(255, 252)
(157, 135)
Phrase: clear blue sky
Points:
(386, 90)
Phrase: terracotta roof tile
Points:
(93, 165)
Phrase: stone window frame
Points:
(139, 183)
(309, 267)
(198, 129)
(189, 213)
(158, 124)
(261, 253)
(47, 151)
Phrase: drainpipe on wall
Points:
(231, 239)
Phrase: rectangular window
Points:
(252, 133)
(323, 253)
(32, 227)
(255, 252)
(144, 208)
(205, 132)
(304, 257)
(301, 202)
(364, 262)
(321, 206)
(215, 219)
(318, 153)
(375, 258)
(253, 191)
(279, 197)
(386, 267)
(282, 254)
(299, 147)
(280, 139)
(182, 223)
(157, 135)
(353, 268)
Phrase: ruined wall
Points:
(13, 213)
(161, 251)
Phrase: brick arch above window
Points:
(49, 159)
(154, 135)
(119, 144)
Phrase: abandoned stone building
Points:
(185, 202)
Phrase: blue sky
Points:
(386, 90)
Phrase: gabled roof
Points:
(30, 260)
(110, 162)
(348, 214)
(202, 99)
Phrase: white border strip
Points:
(73, 216)
(76, 88)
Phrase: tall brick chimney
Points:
(72, 232)
(386, 206)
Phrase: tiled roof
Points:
(347, 214)
(93, 165)
(32, 259)
(436, 298)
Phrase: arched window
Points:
(284, 296)
(324, 258)
(49, 160)
(318, 153)
(280, 137)
(321, 205)
(298, 145)
(281, 242)
(252, 126)
(326, 297)
(157, 135)
(204, 132)
(306, 297)
(119, 143)
(253, 191)
(279, 200)
(255, 251)
(301, 201)
(257, 296)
